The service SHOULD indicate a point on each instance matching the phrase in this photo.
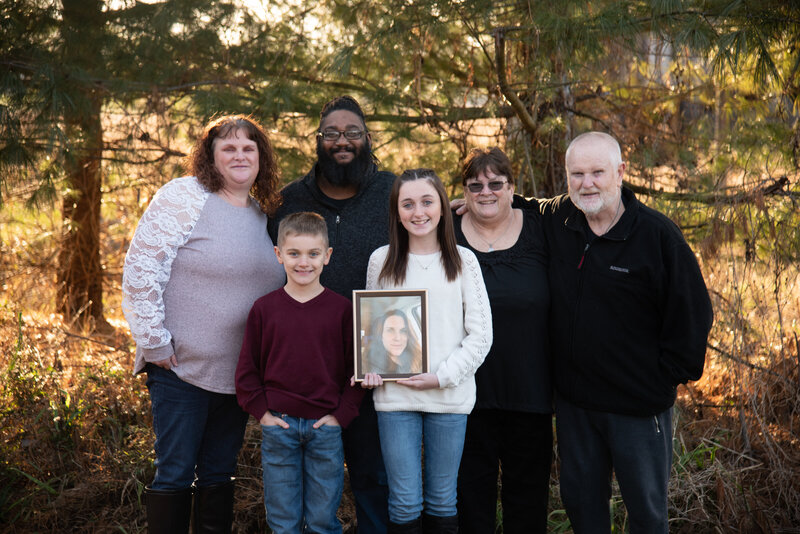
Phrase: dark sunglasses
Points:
(477, 187)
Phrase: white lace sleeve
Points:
(165, 227)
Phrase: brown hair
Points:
(394, 267)
(201, 160)
(479, 160)
(376, 352)
(303, 223)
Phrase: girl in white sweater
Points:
(431, 408)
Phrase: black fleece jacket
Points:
(356, 226)
(630, 313)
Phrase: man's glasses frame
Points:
(477, 187)
(334, 135)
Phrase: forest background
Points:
(100, 100)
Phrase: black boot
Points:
(432, 524)
(213, 509)
(168, 511)
(412, 527)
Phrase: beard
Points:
(348, 174)
(592, 207)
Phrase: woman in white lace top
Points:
(199, 258)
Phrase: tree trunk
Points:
(80, 276)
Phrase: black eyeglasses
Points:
(477, 187)
(333, 135)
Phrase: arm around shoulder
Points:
(521, 202)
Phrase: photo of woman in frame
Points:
(391, 333)
(393, 346)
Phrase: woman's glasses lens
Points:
(477, 187)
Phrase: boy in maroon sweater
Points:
(294, 377)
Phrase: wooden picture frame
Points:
(391, 333)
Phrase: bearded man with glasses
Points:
(347, 189)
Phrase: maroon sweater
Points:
(297, 358)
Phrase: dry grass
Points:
(76, 434)
(76, 439)
(738, 455)
(75, 430)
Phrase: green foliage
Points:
(66, 419)
(702, 456)
(23, 381)
(425, 63)
(558, 522)
(25, 386)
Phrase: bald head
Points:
(594, 139)
(594, 178)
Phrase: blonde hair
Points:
(302, 223)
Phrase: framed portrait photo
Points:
(391, 333)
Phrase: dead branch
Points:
(775, 187)
(500, 57)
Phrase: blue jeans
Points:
(198, 432)
(403, 435)
(638, 449)
(303, 476)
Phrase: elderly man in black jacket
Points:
(630, 317)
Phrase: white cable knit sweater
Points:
(459, 333)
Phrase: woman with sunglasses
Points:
(511, 424)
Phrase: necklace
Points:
(614, 219)
(424, 266)
(496, 239)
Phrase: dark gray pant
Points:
(521, 446)
(639, 451)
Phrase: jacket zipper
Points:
(577, 300)
(583, 256)
(336, 234)
(658, 427)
